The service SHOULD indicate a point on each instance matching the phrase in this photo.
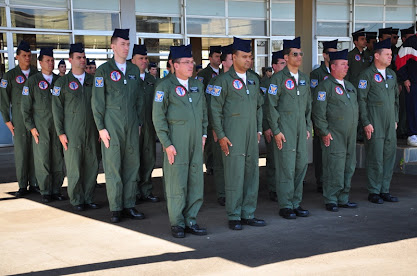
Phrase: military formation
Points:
(114, 114)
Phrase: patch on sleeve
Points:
(25, 91)
(200, 79)
(99, 81)
(3, 83)
(159, 96)
(216, 90)
(263, 89)
(321, 96)
(209, 89)
(314, 83)
(363, 84)
(273, 89)
(56, 91)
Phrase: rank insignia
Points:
(325, 77)
(200, 79)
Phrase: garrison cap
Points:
(227, 49)
(384, 31)
(47, 51)
(76, 48)
(198, 67)
(152, 64)
(268, 69)
(62, 62)
(339, 55)
(24, 46)
(358, 33)
(330, 44)
(92, 62)
(140, 50)
(122, 33)
(215, 49)
(395, 31)
(370, 35)
(241, 45)
(405, 32)
(277, 55)
(384, 44)
(182, 51)
(295, 43)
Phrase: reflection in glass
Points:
(158, 6)
(3, 17)
(43, 3)
(206, 26)
(156, 24)
(247, 27)
(160, 45)
(332, 29)
(283, 27)
(108, 5)
(40, 19)
(96, 21)
(94, 41)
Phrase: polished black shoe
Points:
(21, 192)
(177, 232)
(196, 230)
(78, 208)
(116, 217)
(273, 196)
(209, 171)
(92, 206)
(133, 213)
(375, 198)
(388, 197)
(253, 222)
(151, 198)
(332, 207)
(46, 199)
(34, 189)
(300, 212)
(221, 201)
(287, 213)
(58, 197)
(235, 225)
(349, 205)
(98, 185)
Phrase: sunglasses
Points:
(296, 54)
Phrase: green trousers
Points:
(270, 165)
(218, 169)
(147, 145)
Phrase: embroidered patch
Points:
(3, 83)
(321, 96)
(377, 78)
(339, 90)
(273, 89)
(56, 91)
(363, 84)
(251, 82)
(357, 57)
(263, 89)
(289, 84)
(194, 89)
(302, 82)
(73, 85)
(200, 79)
(115, 76)
(216, 90)
(99, 82)
(325, 77)
(213, 75)
(43, 85)
(389, 77)
(371, 58)
(25, 91)
(132, 77)
(20, 79)
(159, 96)
(209, 89)
(313, 83)
(180, 91)
(237, 84)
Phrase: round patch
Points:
(20, 79)
(289, 84)
(339, 90)
(357, 57)
(115, 76)
(73, 85)
(237, 84)
(325, 77)
(377, 78)
(180, 91)
(43, 85)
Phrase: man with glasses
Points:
(278, 63)
(289, 116)
(180, 118)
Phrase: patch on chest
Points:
(73, 85)
(237, 84)
(133, 77)
(289, 84)
(390, 77)
(43, 85)
(339, 90)
(378, 78)
(115, 76)
(302, 82)
(56, 91)
(25, 91)
(20, 79)
(357, 57)
(363, 84)
(180, 91)
(216, 91)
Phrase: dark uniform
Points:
(357, 63)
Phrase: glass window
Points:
(4, 64)
(43, 3)
(204, 7)
(332, 12)
(332, 29)
(276, 45)
(283, 10)
(334, 1)
(399, 14)
(109, 5)
(207, 42)
(399, 2)
(206, 26)
(376, 2)
(94, 42)
(3, 17)
(156, 24)
(40, 19)
(341, 45)
(36, 41)
(369, 27)
(247, 27)
(160, 45)
(367, 13)
(158, 6)
(283, 27)
(247, 9)
(96, 21)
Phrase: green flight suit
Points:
(289, 112)
(71, 108)
(270, 163)
(11, 97)
(336, 111)
(236, 110)
(378, 105)
(180, 119)
(117, 103)
(317, 76)
(36, 109)
(357, 63)
(147, 139)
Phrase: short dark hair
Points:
(113, 39)
(286, 51)
(224, 56)
(326, 51)
(177, 60)
(40, 57)
(379, 51)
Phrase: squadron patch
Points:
(272, 89)
(237, 84)
(213, 75)
(377, 78)
(73, 85)
(3, 83)
(25, 91)
(43, 85)
(20, 79)
(200, 79)
(216, 90)
(357, 57)
(363, 84)
(99, 82)
(263, 89)
(325, 77)
(339, 90)
(321, 96)
(56, 91)
(289, 84)
(209, 89)
(115, 76)
(159, 96)
(180, 91)
(371, 59)
(313, 83)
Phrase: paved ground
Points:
(51, 239)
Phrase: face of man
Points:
(242, 61)
(78, 61)
(394, 39)
(184, 68)
(47, 64)
(339, 69)
(153, 71)
(93, 68)
(385, 36)
(268, 74)
(23, 58)
(281, 63)
(384, 58)
(215, 60)
(62, 68)
(294, 58)
(361, 42)
(141, 62)
(370, 44)
(228, 62)
(326, 56)
(121, 47)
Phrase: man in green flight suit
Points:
(180, 118)
(212, 70)
(288, 113)
(335, 115)
(278, 63)
(147, 136)
(317, 76)
(11, 87)
(117, 103)
(36, 109)
(75, 127)
(236, 111)
(358, 58)
(378, 106)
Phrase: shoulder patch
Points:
(56, 91)
(3, 83)
(321, 96)
(159, 96)
(200, 79)
(263, 89)
(25, 91)
(363, 84)
(99, 82)
(216, 91)
(273, 89)
(209, 89)
(314, 83)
